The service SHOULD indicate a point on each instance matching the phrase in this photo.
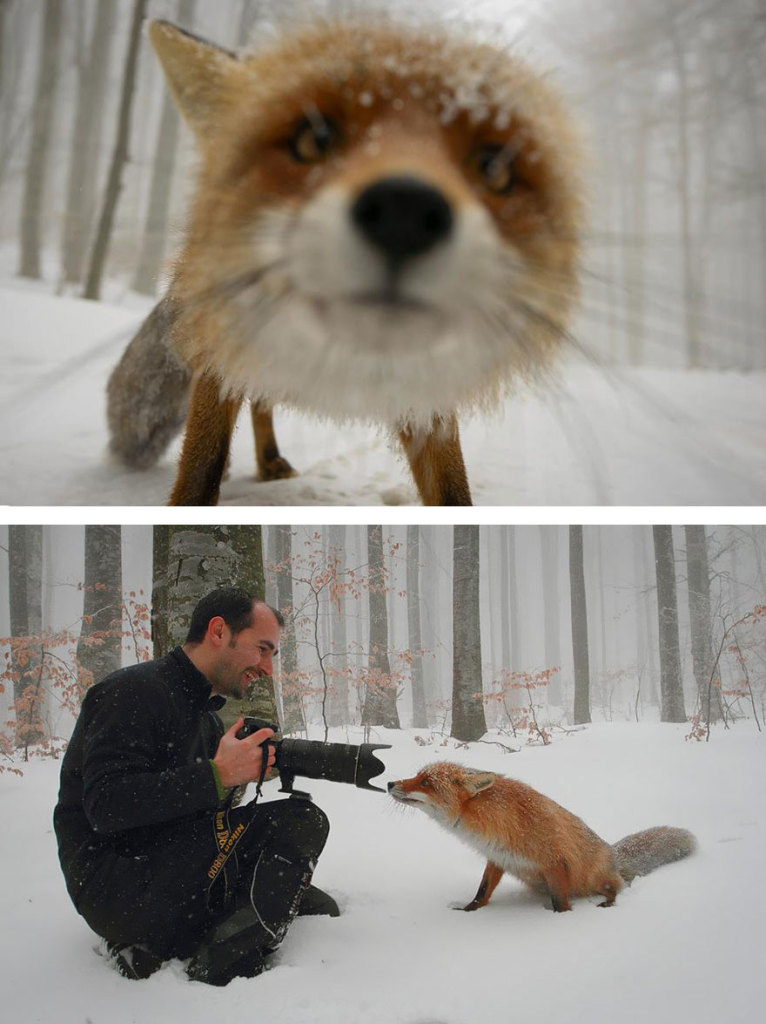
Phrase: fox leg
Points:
(271, 465)
(557, 880)
(609, 892)
(209, 427)
(436, 461)
(490, 878)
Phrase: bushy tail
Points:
(148, 392)
(642, 852)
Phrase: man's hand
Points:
(240, 761)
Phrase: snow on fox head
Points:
(442, 789)
(386, 222)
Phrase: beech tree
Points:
(99, 649)
(380, 699)
(36, 177)
(671, 687)
(419, 719)
(468, 719)
(700, 617)
(189, 562)
(579, 608)
(119, 158)
(25, 564)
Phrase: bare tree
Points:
(579, 626)
(671, 685)
(25, 561)
(86, 138)
(549, 552)
(415, 642)
(700, 617)
(36, 176)
(468, 720)
(99, 650)
(119, 159)
(201, 559)
(291, 703)
(380, 701)
(337, 710)
(160, 189)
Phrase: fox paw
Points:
(276, 469)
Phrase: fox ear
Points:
(197, 72)
(480, 781)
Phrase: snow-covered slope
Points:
(684, 944)
(639, 437)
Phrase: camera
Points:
(314, 759)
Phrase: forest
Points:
(95, 167)
(513, 633)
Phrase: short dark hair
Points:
(235, 607)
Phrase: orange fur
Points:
(527, 834)
(281, 295)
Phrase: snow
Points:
(594, 436)
(685, 943)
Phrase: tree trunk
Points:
(86, 141)
(99, 649)
(700, 618)
(579, 626)
(160, 619)
(549, 552)
(292, 710)
(119, 159)
(37, 161)
(380, 699)
(671, 687)
(468, 720)
(154, 241)
(415, 641)
(201, 559)
(337, 713)
(25, 561)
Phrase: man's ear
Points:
(216, 629)
(198, 73)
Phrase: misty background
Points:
(95, 165)
(426, 609)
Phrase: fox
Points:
(526, 834)
(385, 228)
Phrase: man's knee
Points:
(302, 826)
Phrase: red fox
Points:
(530, 836)
(385, 229)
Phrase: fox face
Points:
(386, 223)
(442, 789)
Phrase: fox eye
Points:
(313, 139)
(425, 783)
(497, 168)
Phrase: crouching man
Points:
(155, 858)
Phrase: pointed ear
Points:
(198, 72)
(480, 781)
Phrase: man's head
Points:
(232, 639)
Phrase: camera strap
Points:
(264, 768)
(227, 838)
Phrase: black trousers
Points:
(196, 876)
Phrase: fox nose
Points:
(402, 217)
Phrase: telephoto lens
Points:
(313, 759)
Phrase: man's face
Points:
(247, 656)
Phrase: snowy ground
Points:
(640, 437)
(684, 944)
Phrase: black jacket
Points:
(137, 764)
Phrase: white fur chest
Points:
(489, 849)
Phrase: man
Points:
(155, 858)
